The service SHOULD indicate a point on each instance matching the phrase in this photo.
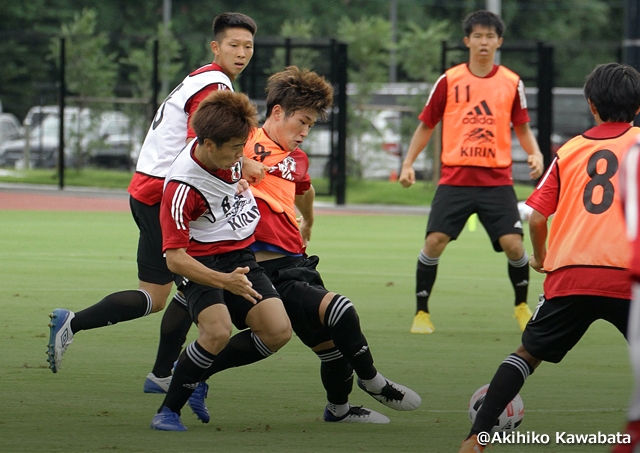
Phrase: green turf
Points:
(359, 191)
(96, 404)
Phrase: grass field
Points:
(96, 404)
(359, 191)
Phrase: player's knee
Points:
(214, 342)
(277, 335)
(214, 335)
(341, 314)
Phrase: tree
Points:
(369, 41)
(89, 71)
(303, 58)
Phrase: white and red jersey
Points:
(630, 185)
(170, 129)
(201, 211)
(478, 101)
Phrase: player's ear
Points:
(277, 112)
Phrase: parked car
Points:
(380, 150)
(102, 139)
(520, 168)
(10, 127)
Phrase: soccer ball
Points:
(510, 418)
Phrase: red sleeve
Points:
(436, 103)
(180, 205)
(545, 198)
(519, 112)
(301, 174)
(195, 100)
(630, 196)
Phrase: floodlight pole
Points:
(61, 116)
(631, 42)
(495, 6)
(393, 62)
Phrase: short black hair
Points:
(614, 90)
(224, 21)
(485, 19)
(222, 116)
(299, 89)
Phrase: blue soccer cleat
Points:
(197, 404)
(60, 336)
(153, 384)
(167, 420)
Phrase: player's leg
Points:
(498, 212)
(633, 337)
(336, 374)
(174, 328)
(426, 272)
(518, 270)
(505, 385)
(339, 316)
(112, 309)
(214, 329)
(155, 281)
(450, 210)
(555, 328)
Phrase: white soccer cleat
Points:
(60, 336)
(357, 414)
(395, 396)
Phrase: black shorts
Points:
(558, 323)
(497, 209)
(200, 296)
(152, 266)
(301, 290)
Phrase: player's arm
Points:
(179, 262)
(430, 116)
(304, 203)
(419, 140)
(538, 231)
(530, 145)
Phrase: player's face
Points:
(234, 51)
(290, 131)
(225, 157)
(483, 43)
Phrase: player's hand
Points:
(535, 264)
(407, 177)
(536, 165)
(242, 186)
(238, 283)
(253, 171)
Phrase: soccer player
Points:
(324, 321)
(206, 228)
(232, 48)
(476, 102)
(630, 182)
(586, 280)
